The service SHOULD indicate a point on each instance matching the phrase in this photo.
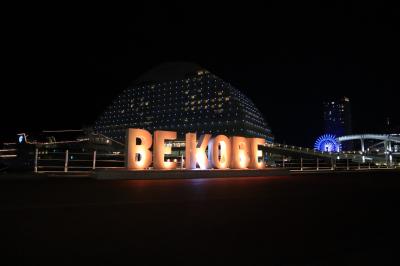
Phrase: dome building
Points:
(182, 97)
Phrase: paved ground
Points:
(341, 219)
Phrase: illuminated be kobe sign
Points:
(222, 152)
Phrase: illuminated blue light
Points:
(327, 143)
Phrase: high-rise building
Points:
(337, 117)
(182, 97)
(390, 127)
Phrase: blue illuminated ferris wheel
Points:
(327, 143)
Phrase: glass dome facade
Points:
(190, 101)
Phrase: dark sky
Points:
(61, 70)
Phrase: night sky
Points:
(61, 70)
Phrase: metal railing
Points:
(317, 164)
(71, 161)
(8, 153)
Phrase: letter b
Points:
(138, 156)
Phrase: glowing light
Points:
(201, 156)
(196, 153)
(190, 151)
(219, 152)
(201, 159)
(160, 149)
(256, 159)
(327, 143)
(138, 156)
(240, 149)
(236, 153)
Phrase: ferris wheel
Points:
(328, 143)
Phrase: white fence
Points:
(318, 164)
(70, 161)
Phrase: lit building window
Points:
(160, 105)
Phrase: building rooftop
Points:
(169, 71)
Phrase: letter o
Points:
(219, 152)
